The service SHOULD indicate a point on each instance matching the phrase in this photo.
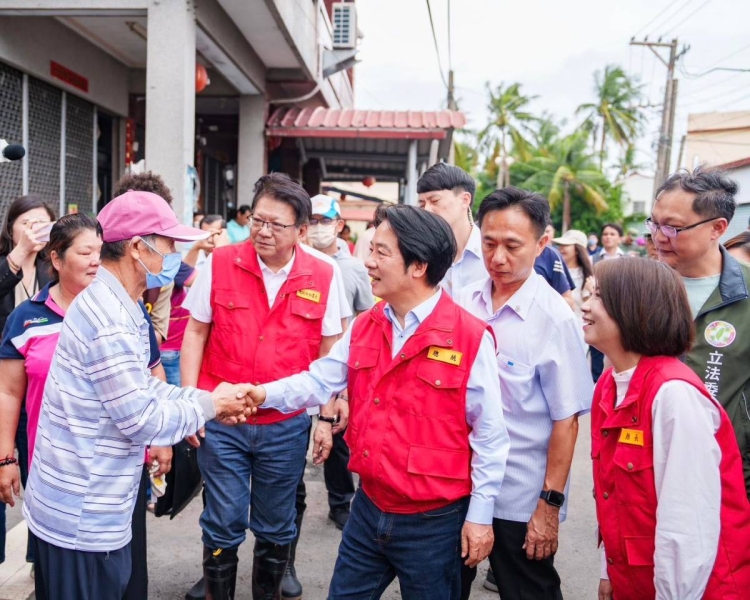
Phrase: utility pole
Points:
(664, 152)
(451, 106)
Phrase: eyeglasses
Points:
(671, 232)
(154, 249)
(256, 223)
(322, 221)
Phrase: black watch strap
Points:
(331, 420)
(553, 498)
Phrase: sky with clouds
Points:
(552, 48)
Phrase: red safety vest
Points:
(407, 431)
(625, 492)
(252, 343)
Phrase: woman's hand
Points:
(10, 484)
(29, 244)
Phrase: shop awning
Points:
(351, 144)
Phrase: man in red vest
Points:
(426, 428)
(260, 310)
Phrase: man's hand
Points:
(542, 531)
(476, 543)
(605, 589)
(340, 410)
(163, 456)
(322, 442)
(10, 484)
(194, 440)
(256, 395)
(233, 402)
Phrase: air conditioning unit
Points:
(344, 25)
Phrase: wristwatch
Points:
(331, 420)
(553, 498)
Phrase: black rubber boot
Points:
(269, 566)
(198, 591)
(291, 588)
(220, 573)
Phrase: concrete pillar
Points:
(170, 97)
(410, 195)
(251, 154)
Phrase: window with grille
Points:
(11, 113)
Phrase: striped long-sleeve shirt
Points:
(101, 407)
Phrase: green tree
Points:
(566, 173)
(509, 122)
(615, 114)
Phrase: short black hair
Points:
(423, 237)
(243, 209)
(441, 176)
(279, 186)
(534, 205)
(713, 188)
(616, 226)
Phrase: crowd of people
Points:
(445, 359)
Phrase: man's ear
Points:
(418, 270)
(135, 248)
(718, 228)
(340, 224)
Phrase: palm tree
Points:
(564, 171)
(615, 112)
(508, 119)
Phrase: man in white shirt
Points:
(545, 387)
(448, 191)
(264, 309)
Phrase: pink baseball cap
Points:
(143, 213)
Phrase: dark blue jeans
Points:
(256, 467)
(170, 360)
(423, 550)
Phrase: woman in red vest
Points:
(670, 496)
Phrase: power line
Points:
(687, 17)
(434, 39)
(665, 9)
(714, 66)
(663, 23)
(450, 54)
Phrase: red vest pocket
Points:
(640, 551)
(451, 464)
(307, 309)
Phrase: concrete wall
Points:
(30, 43)
(717, 138)
(637, 188)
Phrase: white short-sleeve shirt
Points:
(544, 377)
(198, 300)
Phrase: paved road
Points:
(175, 547)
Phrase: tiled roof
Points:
(330, 121)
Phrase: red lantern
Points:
(201, 78)
(368, 181)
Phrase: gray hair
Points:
(714, 191)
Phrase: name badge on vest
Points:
(445, 355)
(311, 295)
(631, 436)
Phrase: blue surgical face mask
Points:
(170, 266)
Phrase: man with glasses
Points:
(260, 310)
(691, 213)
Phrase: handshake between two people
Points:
(236, 402)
